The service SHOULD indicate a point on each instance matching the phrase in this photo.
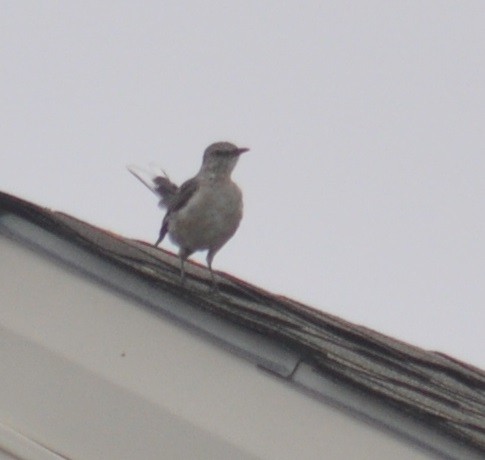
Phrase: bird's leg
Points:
(183, 254)
(182, 270)
(210, 256)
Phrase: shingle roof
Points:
(434, 388)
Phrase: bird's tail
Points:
(158, 182)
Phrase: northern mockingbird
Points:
(205, 211)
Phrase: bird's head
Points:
(220, 158)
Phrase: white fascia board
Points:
(259, 350)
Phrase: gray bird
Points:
(205, 211)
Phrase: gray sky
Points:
(364, 187)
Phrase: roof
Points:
(433, 389)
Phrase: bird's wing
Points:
(159, 183)
(178, 201)
(183, 195)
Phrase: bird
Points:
(205, 211)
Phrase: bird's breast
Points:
(209, 218)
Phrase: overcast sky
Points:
(364, 187)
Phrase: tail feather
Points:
(159, 183)
(163, 232)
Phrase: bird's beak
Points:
(241, 150)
